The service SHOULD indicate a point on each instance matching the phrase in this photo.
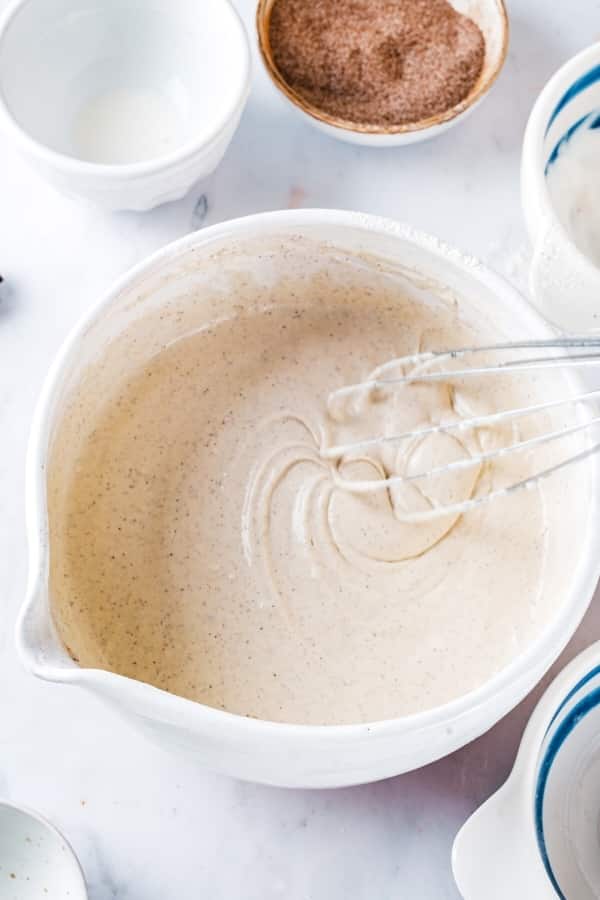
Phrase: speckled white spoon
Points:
(36, 862)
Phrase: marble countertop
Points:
(145, 826)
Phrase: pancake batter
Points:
(201, 540)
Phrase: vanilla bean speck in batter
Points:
(199, 542)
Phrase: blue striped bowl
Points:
(565, 284)
(567, 789)
(539, 835)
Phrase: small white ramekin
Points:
(268, 752)
(58, 57)
(538, 835)
(564, 283)
(489, 15)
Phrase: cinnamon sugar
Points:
(378, 62)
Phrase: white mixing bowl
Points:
(280, 754)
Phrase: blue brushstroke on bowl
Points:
(567, 137)
(592, 118)
(583, 82)
(591, 674)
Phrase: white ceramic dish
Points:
(279, 754)
(125, 104)
(489, 15)
(565, 284)
(537, 837)
(35, 859)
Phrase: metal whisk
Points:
(565, 357)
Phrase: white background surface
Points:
(145, 826)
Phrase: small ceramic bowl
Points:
(538, 836)
(564, 283)
(489, 15)
(35, 859)
(123, 103)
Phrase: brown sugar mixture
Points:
(377, 62)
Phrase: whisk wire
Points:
(468, 461)
(466, 505)
(337, 450)
(591, 356)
